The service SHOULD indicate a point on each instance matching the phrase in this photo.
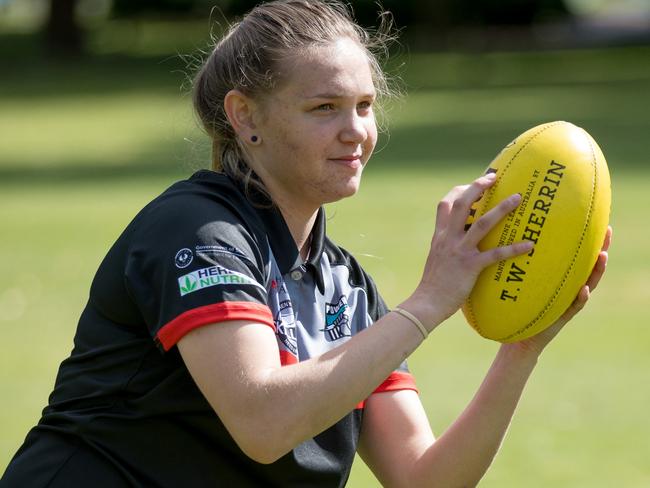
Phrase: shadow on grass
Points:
(160, 159)
(35, 74)
(626, 146)
(626, 66)
(79, 174)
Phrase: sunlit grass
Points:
(588, 385)
(91, 129)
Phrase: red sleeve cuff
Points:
(173, 331)
(398, 380)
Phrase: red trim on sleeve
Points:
(398, 380)
(287, 358)
(173, 331)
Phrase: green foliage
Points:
(506, 12)
(157, 8)
(85, 147)
(407, 12)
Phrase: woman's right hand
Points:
(454, 260)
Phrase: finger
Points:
(598, 271)
(581, 300)
(462, 204)
(497, 254)
(577, 305)
(486, 223)
(608, 238)
(445, 205)
(601, 262)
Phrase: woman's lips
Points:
(352, 161)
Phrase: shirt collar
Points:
(285, 251)
(284, 248)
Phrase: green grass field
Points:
(82, 148)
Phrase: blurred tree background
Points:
(430, 22)
(95, 120)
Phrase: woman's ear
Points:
(240, 110)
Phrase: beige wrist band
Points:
(408, 315)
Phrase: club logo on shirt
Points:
(285, 326)
(213, 276)
(183, 258)
(337, 320)
(284, 318)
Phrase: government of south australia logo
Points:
(337, 320)
(183, 258)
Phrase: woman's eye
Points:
(325, 107)
(364, 106)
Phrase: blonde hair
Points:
(247, 59)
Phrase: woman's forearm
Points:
(268, 408)
(462, 455)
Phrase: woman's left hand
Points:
(538, 342)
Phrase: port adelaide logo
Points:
(337, 320)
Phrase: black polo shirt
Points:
(125, 410)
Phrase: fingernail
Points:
(491, 176)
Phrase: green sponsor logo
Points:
(188, 285)
(213, 276)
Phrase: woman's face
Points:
(317, 128)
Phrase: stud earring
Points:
(254, 139)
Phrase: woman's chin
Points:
(345, 191)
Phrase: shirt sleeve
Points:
(192, 262)
(401, 378)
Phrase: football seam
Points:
(575, 255)
(488, 196)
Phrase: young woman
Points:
(228, 342)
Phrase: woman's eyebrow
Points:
(339, 95)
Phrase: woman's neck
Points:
(298, 213)
(300, 225)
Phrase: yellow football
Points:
(562, 176)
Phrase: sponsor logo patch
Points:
(183, 258)
(213, 276)
(219, 249)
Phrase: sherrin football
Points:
(563, 179)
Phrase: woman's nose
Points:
(354, 129)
